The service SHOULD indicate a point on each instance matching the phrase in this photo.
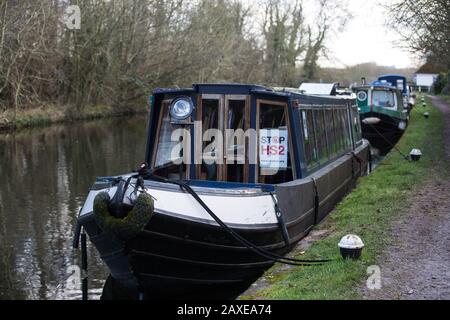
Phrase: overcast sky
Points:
(367, 39)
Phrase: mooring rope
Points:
(389, 142)
(249, 245)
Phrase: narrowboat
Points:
(234, 171)
(384, 117)
(399, 81)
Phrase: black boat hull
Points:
(176, 257)
(383, 135)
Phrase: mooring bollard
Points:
(415, 154)
(426, 115)
(351, 247)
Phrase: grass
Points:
(368, 212)
(445, 97)
(52, 114)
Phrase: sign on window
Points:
(273, 149)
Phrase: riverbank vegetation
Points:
(124, 49)
(424, 26)
(121, 50)
(41, 116)
(368, 212)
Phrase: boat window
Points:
(356, 125)
(321, 133)
(338, 132)
(347, 140)
(382, 98)
(332, 135)
(326, 137)
(341, 130)
(309, 137)
(210, 120)
(274, 146)
(167, 160)
(235, 145)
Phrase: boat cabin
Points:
(397, 81)
(381, 97)
(247, 134)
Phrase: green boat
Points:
(383, 115)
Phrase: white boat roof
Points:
(317, 88)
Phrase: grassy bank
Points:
(445, 97)
(367, 211)
(52, 114)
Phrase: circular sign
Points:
(362, 96)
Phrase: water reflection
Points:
(45, 175)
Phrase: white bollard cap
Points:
(351, 241)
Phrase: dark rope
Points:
(389, 142)
(254, 248)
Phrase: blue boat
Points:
(400, 82)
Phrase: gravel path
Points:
(417, 264)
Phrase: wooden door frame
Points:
(165, 103)
(199, 140)
(288, 125)
(246, 99)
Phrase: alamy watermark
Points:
(267, 147)
(374, 280)
(73, 281)
(72, 17)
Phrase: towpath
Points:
(417, 263)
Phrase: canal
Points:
(45, 176)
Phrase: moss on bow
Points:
(126, 228)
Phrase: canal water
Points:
(45, 174)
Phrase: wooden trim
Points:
(246, 100)
(263, 101)
(164, 104)
(286, 114)
(292, 153)
(199, 140)
(246, 143)
(198, 143)
(211, 96)
(221, 123)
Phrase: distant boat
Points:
(384, 116)
(322, 89)
(309, 153)
(400, 82)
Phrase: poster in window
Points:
(273, 149)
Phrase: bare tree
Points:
(283, 30)
(331, 18)
(424, 26)
(125, 48)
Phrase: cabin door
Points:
(274, 144)
(222, 150)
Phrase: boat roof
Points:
(318, 88)
(391, 76)
(242, 89)
(378, 85)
